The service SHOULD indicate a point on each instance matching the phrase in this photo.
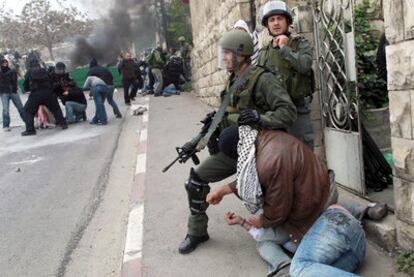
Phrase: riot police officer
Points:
(291, 56)
(252, 96)
(39, 83)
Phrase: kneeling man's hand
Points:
(214, 197)
(233, 219)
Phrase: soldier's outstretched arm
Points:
(282, 111)
(300, 60)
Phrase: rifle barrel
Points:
(170, 165)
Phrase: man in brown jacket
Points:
(295, 187)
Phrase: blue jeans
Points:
(112, 102)
(270, 249)
(99, 94)
(5, 99)
(74, 111)
(333, 246)
(170, 89)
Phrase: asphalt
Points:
(51, 186)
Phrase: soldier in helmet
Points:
(252, 96)
(185, 51)
(291, 56)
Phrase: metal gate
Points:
(337, 78)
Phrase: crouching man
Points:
(286, 188)
(75, 104)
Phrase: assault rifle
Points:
(189, 149)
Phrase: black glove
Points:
(249, 117)
(207, 121)
(188, 148)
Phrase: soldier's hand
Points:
(280, 41)
(249, 117)
(188, 147)
(214, 197)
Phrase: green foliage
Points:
(373, 91)
(187, 87)
(178, 24)
(405, 262)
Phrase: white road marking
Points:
(28, 161)
(141, 163)
(145, 117)
(144, 135)
(133, 243)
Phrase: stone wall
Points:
(210, 19)
(399, 30)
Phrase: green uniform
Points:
(294, 64)
(263, 92)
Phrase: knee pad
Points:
(197, 191)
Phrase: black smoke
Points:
(128, 21)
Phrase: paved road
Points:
(53, 185)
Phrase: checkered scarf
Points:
(248, 186)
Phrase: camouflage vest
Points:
(298, 86)
(244, 97)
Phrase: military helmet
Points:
(276, 8)
(237, 41)
(182, 38)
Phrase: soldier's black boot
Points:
(190, 243)
(29, 133)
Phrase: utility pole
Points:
(160, 21)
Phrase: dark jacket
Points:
(8, 81)
(60, 81)
(128, 69)
(294, 181)
(102, 73)
(38, 81)
(75, 94)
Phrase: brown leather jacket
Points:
(294, 182)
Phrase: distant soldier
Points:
(185, 53)
(156, 61)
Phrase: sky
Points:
(94, 9)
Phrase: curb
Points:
(132, 256)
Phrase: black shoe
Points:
(29, 133)
(282, 270)
(64, 126)
(128, 103)
(376, 211)
(190, 243)
(118, 116)
(84, 117)
(133, 98)
(157, 94)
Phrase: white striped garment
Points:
(255, 56)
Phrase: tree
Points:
(10, 30)
(178, 16)
(46, 27)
